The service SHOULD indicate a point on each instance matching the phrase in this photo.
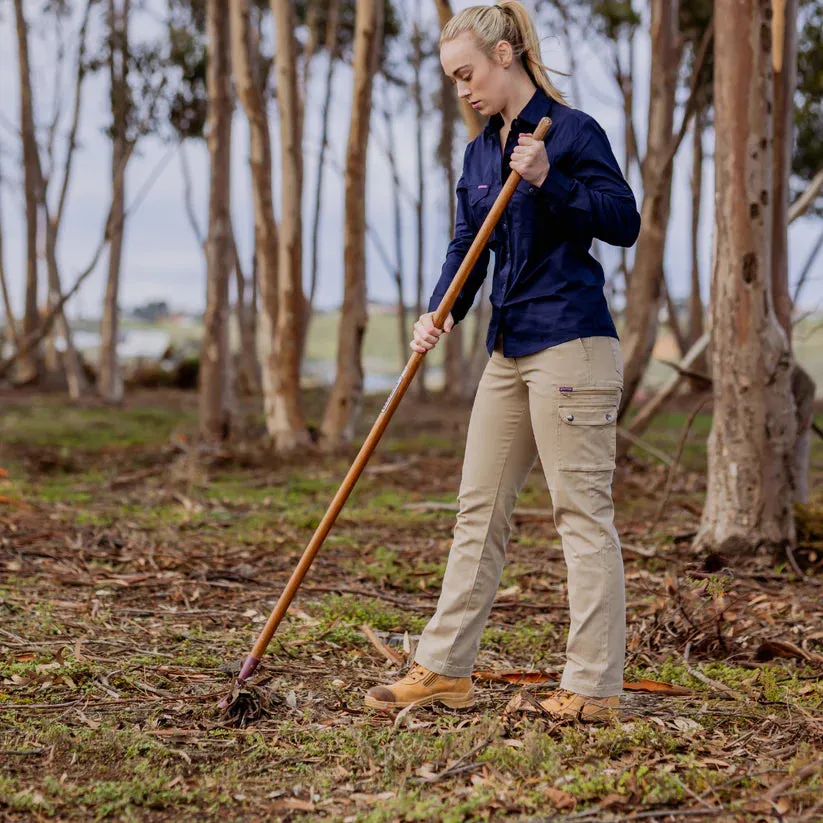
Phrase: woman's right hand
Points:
(426, 334)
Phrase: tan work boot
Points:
(563, 703)
(422, 687)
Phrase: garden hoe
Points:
(241, 700)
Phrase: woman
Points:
(553, 383)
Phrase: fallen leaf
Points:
(386, 651)
(657, 687)
(294, 803)
(515, 675)
(769, 649)
(560, 799)
(511, 591)
(686, 724)
(613, 799)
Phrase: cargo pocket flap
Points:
(588, 415)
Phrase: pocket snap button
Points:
(608, 416)
(569, 417)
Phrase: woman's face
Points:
(481, 81)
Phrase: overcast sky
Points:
(162, 259)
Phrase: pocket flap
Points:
(602, 415)
(476, 194)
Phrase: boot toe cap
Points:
(382, 693)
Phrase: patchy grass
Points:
(134, 572)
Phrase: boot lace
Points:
(416, 672)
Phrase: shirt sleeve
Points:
(594, 197)
(465, 231)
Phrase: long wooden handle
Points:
(393, 400)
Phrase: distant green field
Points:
(381, 349)
(382, 354)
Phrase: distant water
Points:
(321, 372)
(149, 343)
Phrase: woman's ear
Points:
(504, 54)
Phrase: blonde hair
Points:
(511, 21)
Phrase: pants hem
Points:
(441, 668)
(587, 690)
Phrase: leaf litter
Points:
(120, 612)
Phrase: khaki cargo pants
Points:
(561, 404)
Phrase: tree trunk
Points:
(403, 338)
(11, 323)
(285, 420)
(245, 57)
(247, 359)
(332, 24)
(346, 397)
(625, 82)
(417, 97)
(463, 383)
(27, 366)
(37, 204)
(309, 49)
(72, 365)
(674, 320)
(110, 377)
(783, 85)
(751, 446)
(454, 367)
(216, 389)
(785, 79)
(696, 325)
(643, 289)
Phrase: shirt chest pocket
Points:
(480, 202)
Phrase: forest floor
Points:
(135, 566)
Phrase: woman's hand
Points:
(529, 159)
(425, 333)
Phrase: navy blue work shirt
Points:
(547, 288)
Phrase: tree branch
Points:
(804, 202)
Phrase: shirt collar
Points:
(538, 107)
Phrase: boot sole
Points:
(454, 700)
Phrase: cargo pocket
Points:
(587, 429)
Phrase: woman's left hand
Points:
(529, 159)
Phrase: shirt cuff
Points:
(557, 187)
